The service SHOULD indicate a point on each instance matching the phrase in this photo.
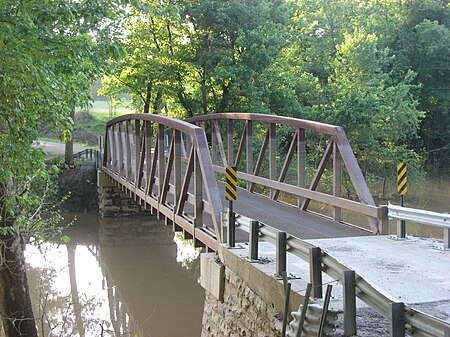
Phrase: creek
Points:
(128, 276)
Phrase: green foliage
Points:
(201, 56)
(50, 51)
(378, 111)
(377, 68)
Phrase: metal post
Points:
(446, 238)
(301, 162)
(253, 238)
(397, 320)
(231, 227)
(323, 317)
(315, 271)
(401, 225)
(383, 220)
(230, 142)
(224, 222)
(349, 303)
(304, 309)
(286, 309)
(249, 150)
(337, 181)
(281, 253)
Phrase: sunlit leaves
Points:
(50, 51)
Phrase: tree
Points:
(346, 73)
(42, 75)
(337, 61)
(432, 50)
(203, 56)
(377, 109)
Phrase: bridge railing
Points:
(165, 164)
(249, 142)
(421, 216)
(93, 155)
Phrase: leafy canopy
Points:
(49, 53)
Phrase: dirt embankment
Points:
(80, 184)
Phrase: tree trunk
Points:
(204, 94)
(15, 303)
(157, 104)
(71, 248)
(148, 97)
(68, 150)
(223, 104)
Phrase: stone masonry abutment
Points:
(241, 300)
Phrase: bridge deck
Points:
(303, 225)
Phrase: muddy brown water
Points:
(117, 277)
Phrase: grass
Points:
(96, 118)
(88, 125)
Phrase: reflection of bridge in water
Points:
(140, 289)
(147, 289)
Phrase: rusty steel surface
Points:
(294, 122)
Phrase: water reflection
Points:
(125, 281)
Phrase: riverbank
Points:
(79, 185)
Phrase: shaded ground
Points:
(369, 323)
(80, 183)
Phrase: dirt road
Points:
(55, 149)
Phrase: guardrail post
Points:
(315, 271)
(401, 229)
(224, 222)
(349, 303)
(383, 219)
(231, 228)
(397, 319)
(253, 238)
(281, 253)
(446, 238)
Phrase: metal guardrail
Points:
(95, 155)
(423, 217)
(90, 154)
(401, 317)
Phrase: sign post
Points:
(402, 188)
(230, 195)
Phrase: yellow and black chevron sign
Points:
(402, 188)
(230, 183)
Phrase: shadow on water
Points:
(117, 277)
